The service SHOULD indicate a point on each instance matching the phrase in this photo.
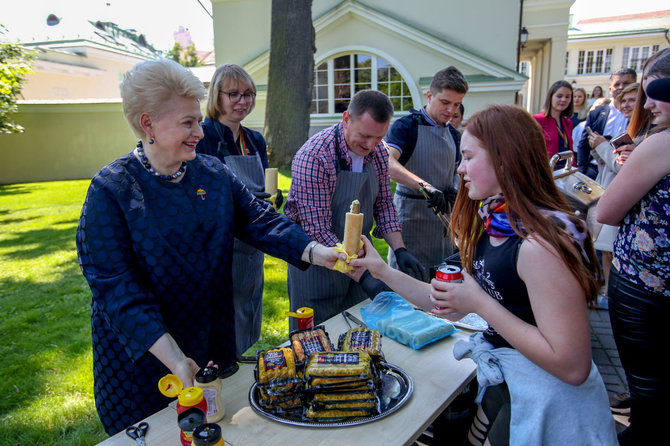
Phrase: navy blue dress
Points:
(157, 256)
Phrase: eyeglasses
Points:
(235, 96)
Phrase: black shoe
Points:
(620, 403)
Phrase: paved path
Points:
(606, 357)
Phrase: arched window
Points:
(337, 79)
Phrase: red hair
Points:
(516, 146)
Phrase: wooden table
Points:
(437, 377)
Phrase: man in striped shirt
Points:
(343, 163)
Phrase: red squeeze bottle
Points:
(191, 406)
(448, 273)
(305, 316)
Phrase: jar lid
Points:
(191, 396)
(170, 385)
(229, 371)
(207, 375)
(207, 434)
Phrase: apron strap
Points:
(340, 163)
(223, 146)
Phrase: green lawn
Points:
(46, 379)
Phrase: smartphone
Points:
(621, 140)
(589, 131)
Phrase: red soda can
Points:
(448, 273)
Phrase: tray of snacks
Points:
(312, 384)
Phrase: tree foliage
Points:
(15, 63)
(290, 79)
(187, 57)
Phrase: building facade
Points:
(599, 46)
(397, 46)
(70, 106)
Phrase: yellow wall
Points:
(64, 141)
(64, 76)
(547, 24)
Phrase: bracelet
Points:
(311, 249)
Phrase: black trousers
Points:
(639, 325)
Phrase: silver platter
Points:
(395, 373)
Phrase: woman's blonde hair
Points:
(225, 75)
(149, 85)
(583, 111)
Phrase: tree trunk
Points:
(290, 79)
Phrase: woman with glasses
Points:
(232, 96)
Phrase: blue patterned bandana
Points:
(493, 212)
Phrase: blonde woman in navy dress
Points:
(155, 243)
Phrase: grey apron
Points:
(330, 292)
(247, 260)
(433, 160)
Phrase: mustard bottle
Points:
(208, 380)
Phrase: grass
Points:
(46, 372)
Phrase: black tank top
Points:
(494, 268)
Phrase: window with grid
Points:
(594, 61)
(524, 67)
(337, 79)
(635, 56)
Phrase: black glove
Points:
(279, 200)
(409, 264)
(262, 195)
(372, 286)
(450, 196)
(436, 200)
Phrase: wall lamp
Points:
(523, 37)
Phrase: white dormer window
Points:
(338, 78)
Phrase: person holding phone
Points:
(606, 120)
(605, 153)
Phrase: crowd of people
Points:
(183, 221)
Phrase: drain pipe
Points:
(518, 47)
